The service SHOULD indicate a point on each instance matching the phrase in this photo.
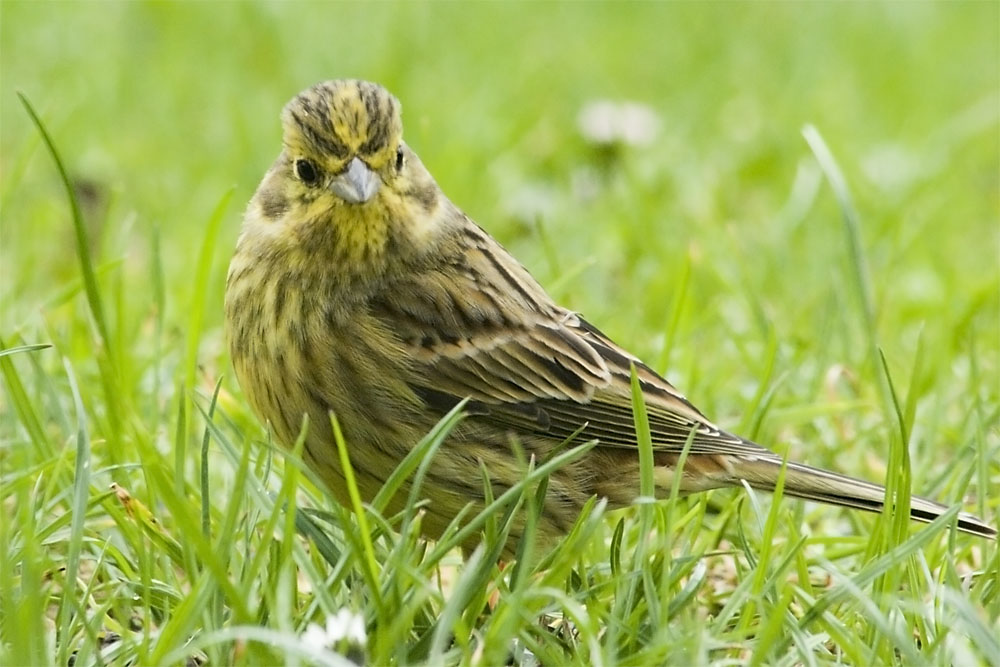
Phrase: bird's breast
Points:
(300, 352)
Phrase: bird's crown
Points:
(342, 119)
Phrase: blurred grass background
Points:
(160, 108)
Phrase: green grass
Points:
(831, 291)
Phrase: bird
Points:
(358, 289)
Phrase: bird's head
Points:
(345, 183)
(343, 138)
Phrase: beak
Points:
(356, 184)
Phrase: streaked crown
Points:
(338, 120)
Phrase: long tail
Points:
(802, 481)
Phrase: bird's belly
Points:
(300, 373)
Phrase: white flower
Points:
(532, 202)
(894, 168)
(610, 122)
(315, 638)
(345, 624)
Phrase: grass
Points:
(808, 249)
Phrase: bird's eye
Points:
(306, 171)
(399, 158)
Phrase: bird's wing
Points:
(495, 337)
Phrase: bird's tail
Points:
(802, 481)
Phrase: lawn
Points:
(805, 240)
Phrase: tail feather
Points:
(806, 482)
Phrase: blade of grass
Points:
(860, 273)
(476, 523)
(465, 588)
(81, 493)
(159, 307)
(773, 625)
(418, 457)
(680, 293)
(199, 287)
(895, 519)
(107, 358)
(206, 498)
(79, 228)
(370, 564)
(24, 407)
(760, 575)
(266, 504)
(24, 348)
(870, 572)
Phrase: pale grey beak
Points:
(356, 184)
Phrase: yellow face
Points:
(344, 136)
(345, 182)
(337, 120)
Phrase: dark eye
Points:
(399, 158)
(306, 171)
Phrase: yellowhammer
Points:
(358, 288)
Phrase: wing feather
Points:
(527, 365)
